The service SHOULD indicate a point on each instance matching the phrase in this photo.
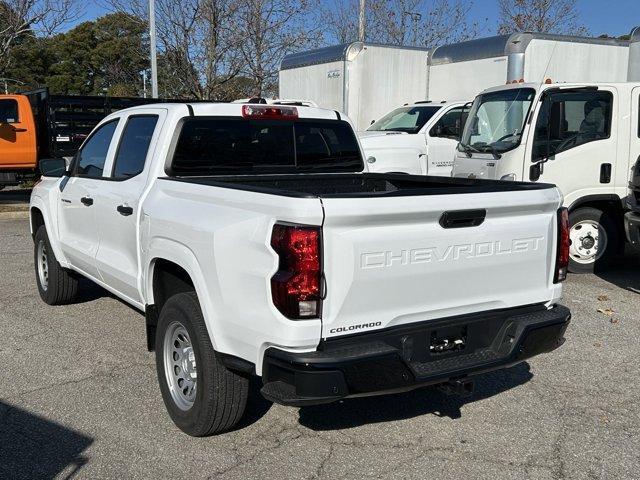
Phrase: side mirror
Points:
(52, 167)
(535, 171)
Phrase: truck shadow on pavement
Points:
(32, 447)
(360, 411)
(624, 272)
(89, 291)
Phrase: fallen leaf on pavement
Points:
(603, 298)
(606, 311)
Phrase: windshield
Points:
(408, 119)
(496, 120)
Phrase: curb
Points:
(18, 210)
(17, 214)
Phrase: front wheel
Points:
(595, 240)
(202, 396)
(56, 285)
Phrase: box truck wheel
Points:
(202, 396)
(595, 239)
(56, 285)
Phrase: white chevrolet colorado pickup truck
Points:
(256, 244)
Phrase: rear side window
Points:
(221, 146)
(134, 146)
(8, 111)
(92, 155)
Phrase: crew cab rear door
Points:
(397, 260)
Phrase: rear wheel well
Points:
(611, 205)
(37, 220)
(169, 279)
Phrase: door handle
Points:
(124, 210)
(605, 173)
(463, 218)
(88, 201)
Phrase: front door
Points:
(17, 134)
(78, 223)
(442, 139)
(573, 131)
(118, 203)
(622, 182)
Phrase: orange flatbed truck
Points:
(37, 124)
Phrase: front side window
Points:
(496, 120)
(8, 111)
(568, 119)
(218, 146)
(408, 119)
(93, 154)
(134, 146)
(450, 124)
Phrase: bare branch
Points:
(546, 16)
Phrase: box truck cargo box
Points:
(462, 70)
(362, 80)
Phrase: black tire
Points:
(220, 396)
(58, 286)
(613, 239)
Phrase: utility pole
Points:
(361, 21)
(152, 41)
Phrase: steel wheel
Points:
(588, 241)
(180, 366)
(42, 259)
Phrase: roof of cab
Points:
(225, 110)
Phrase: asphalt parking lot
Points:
(79, 398)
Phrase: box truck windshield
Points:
(496, 120)
(408, 119)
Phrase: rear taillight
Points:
(269, 112)
(295, 287)
(562, 255)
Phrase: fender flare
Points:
(161, 248)
(38, 203)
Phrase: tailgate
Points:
(388, 261)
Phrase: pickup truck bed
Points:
(345, 185)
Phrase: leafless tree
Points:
(267, 31)
(547, 16)
(19, 18)
(402, 22)
(197, 43)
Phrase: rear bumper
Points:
(402, 358)
(632, 228)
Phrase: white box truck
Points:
(362, 80)
(462, 70)
(583, 137)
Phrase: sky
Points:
(615, 17)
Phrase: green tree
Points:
(106, 56)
